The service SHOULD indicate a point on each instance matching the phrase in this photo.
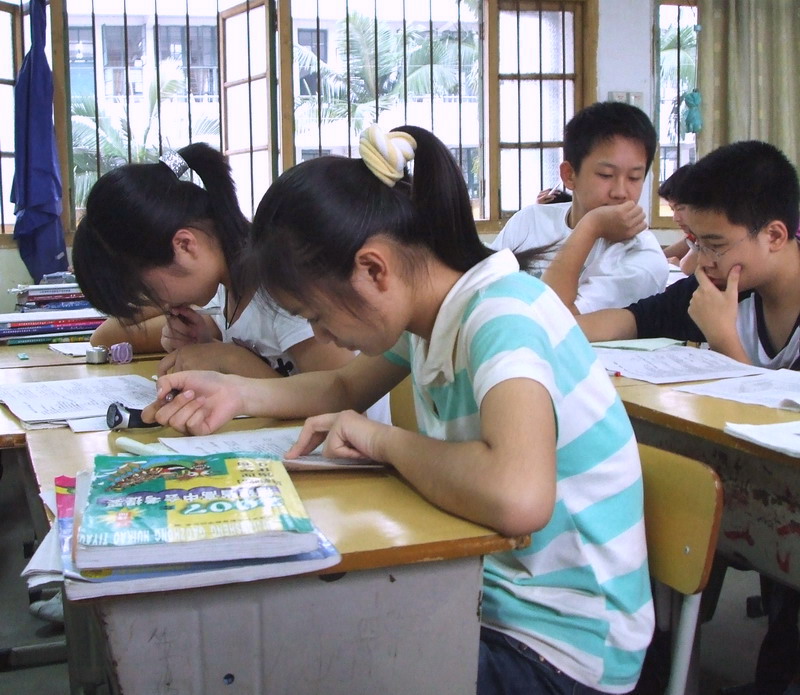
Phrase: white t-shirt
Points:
(271, 332)
(266, 330)
(614, 274)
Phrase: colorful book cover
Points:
(82, 584)
(152, 509)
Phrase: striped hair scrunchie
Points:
(386, 154)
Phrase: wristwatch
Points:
(120, 417)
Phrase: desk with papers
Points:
(760, 523)
(398, 615)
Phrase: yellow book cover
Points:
(168, 508)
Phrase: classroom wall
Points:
(624, 63)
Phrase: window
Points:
(198, 60)
(496, 80)
(250, 118)
(538, 92)
(360, 62)
(314, 43)
(10, 61)
(676, 31)
(136, 87)
(123, 60)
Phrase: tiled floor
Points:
(729, 641)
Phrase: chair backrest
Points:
(682, 510)
(401, 404)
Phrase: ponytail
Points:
(132, 214)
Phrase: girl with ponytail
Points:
(153, 248)
(519, 427)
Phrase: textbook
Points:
(153, 510)
(83, 584)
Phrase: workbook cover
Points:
(151, 510)
(83, 584)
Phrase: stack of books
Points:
(71, 325)
(157, 523)
(49, 297)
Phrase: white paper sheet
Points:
(782, 436)
(778, 388)
(49, 401)
(71, 349)
(637, 344)
(673, 365)
(272, 441)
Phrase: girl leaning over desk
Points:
(520, 428)
(153, 247)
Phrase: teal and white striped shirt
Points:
(580, 594)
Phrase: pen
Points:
(554, 188)
(171, 395)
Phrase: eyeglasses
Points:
(708, 251)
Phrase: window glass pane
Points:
(235, 57)
(7, 176)
(6, 47)
(250, 192)
(428, 73)
(237, 116)
(142, 103)
(260, 110)
(510, 167)
(677, 77)
(258, 41)
(7, 121)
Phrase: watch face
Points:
(116, 416)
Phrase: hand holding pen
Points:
(196, 402)
(187, 325)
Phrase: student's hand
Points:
(616, 222)
(715, 310)
(346, 435)
(184, 326)
(205, 401)
(216, 356)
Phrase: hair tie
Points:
(175, 162)
(386, 154)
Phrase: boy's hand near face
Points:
(614, 222)
(715, 310)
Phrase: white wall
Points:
(624, 63)
(12, 273)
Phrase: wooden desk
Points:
(40, 355)
(403, 618)
(760, 522)
(12, 434)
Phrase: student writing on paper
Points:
(599, 251)
(523, 431)
(742, 204)
(151, 246)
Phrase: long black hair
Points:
(132, 214)
(316, 216)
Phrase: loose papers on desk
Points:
(779, 388)
(268, 441)
(673, 365)
(52, 403)
(781, 436)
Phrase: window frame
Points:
(17, 48)
(657, 220)
(280, 66)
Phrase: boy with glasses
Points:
(742, 205)
(742, 210)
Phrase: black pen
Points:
(171, 395)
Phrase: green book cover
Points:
(219, 506)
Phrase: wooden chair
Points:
(401, 405)
(682, 511)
